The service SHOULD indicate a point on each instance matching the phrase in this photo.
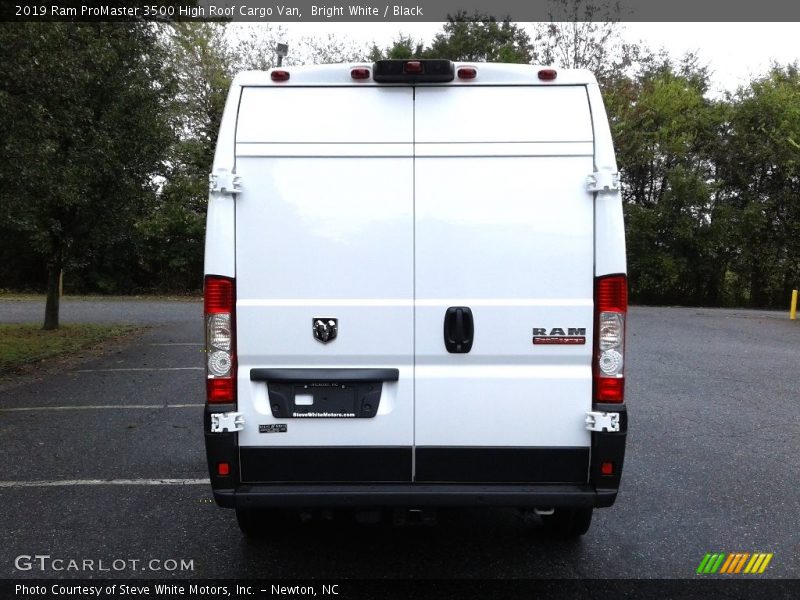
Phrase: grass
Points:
(24, 344)
(9, 296)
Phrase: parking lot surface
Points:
(105, 461)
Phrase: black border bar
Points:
(388, 589)
(431, 11)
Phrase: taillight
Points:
(611, 306)
(279, 75)
(220, 346)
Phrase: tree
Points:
(480, 38)
(327, 50)
(252, 46)
(665, 130)
(84, 132)
(172, 231)
(759, 167)
(585, 35)
(402, 48)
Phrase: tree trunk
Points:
(52, 304)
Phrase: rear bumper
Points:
(414, 495)
(599, 491)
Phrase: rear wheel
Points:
(567, 523)
(259, 523)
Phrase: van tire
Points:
(567, 523)
(258, 523)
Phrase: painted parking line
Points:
(77, 482)
(139, 369)
(100, 407)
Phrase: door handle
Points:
(459, 329)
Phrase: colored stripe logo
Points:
(734, 562)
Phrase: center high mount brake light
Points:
(413, 71)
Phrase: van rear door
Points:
(504, 228)
(324, 232)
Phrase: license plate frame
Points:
(330, 400)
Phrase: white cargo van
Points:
(415, 291)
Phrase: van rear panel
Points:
(324, 229)
(379, 210)
(484, 238)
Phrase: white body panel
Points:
(382, 206)
(320, 115)
(502, 114)
(320, 234)
(510, 235)
(221, 218)
(609, 223)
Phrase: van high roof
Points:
(486, 74)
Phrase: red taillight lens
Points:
(611, 306)
(223, 469)
(610, 390)
(413, 66)
(220, 389)
(280, 76)
(612, 294)
(359, 73)
(218, 296)
(220, 347)
(547, 74)
(467, 72)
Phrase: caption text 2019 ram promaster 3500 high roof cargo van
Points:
(415, 292)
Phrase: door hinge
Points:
(602, 421)
(224, 182)
(230, 421)
(602, 181)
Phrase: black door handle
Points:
(459, 329)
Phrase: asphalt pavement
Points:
(105, 462)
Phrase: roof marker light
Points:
(547, 74)
(280, 75)
(359, 73)
(467, 72)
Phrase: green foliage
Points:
(24, 344)
(664, 129)
(404, 47)
(759, 169)
(711, 188)
(172, 232)
(585, 35)
(480, 38)
(476, 38)
(84, 131)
